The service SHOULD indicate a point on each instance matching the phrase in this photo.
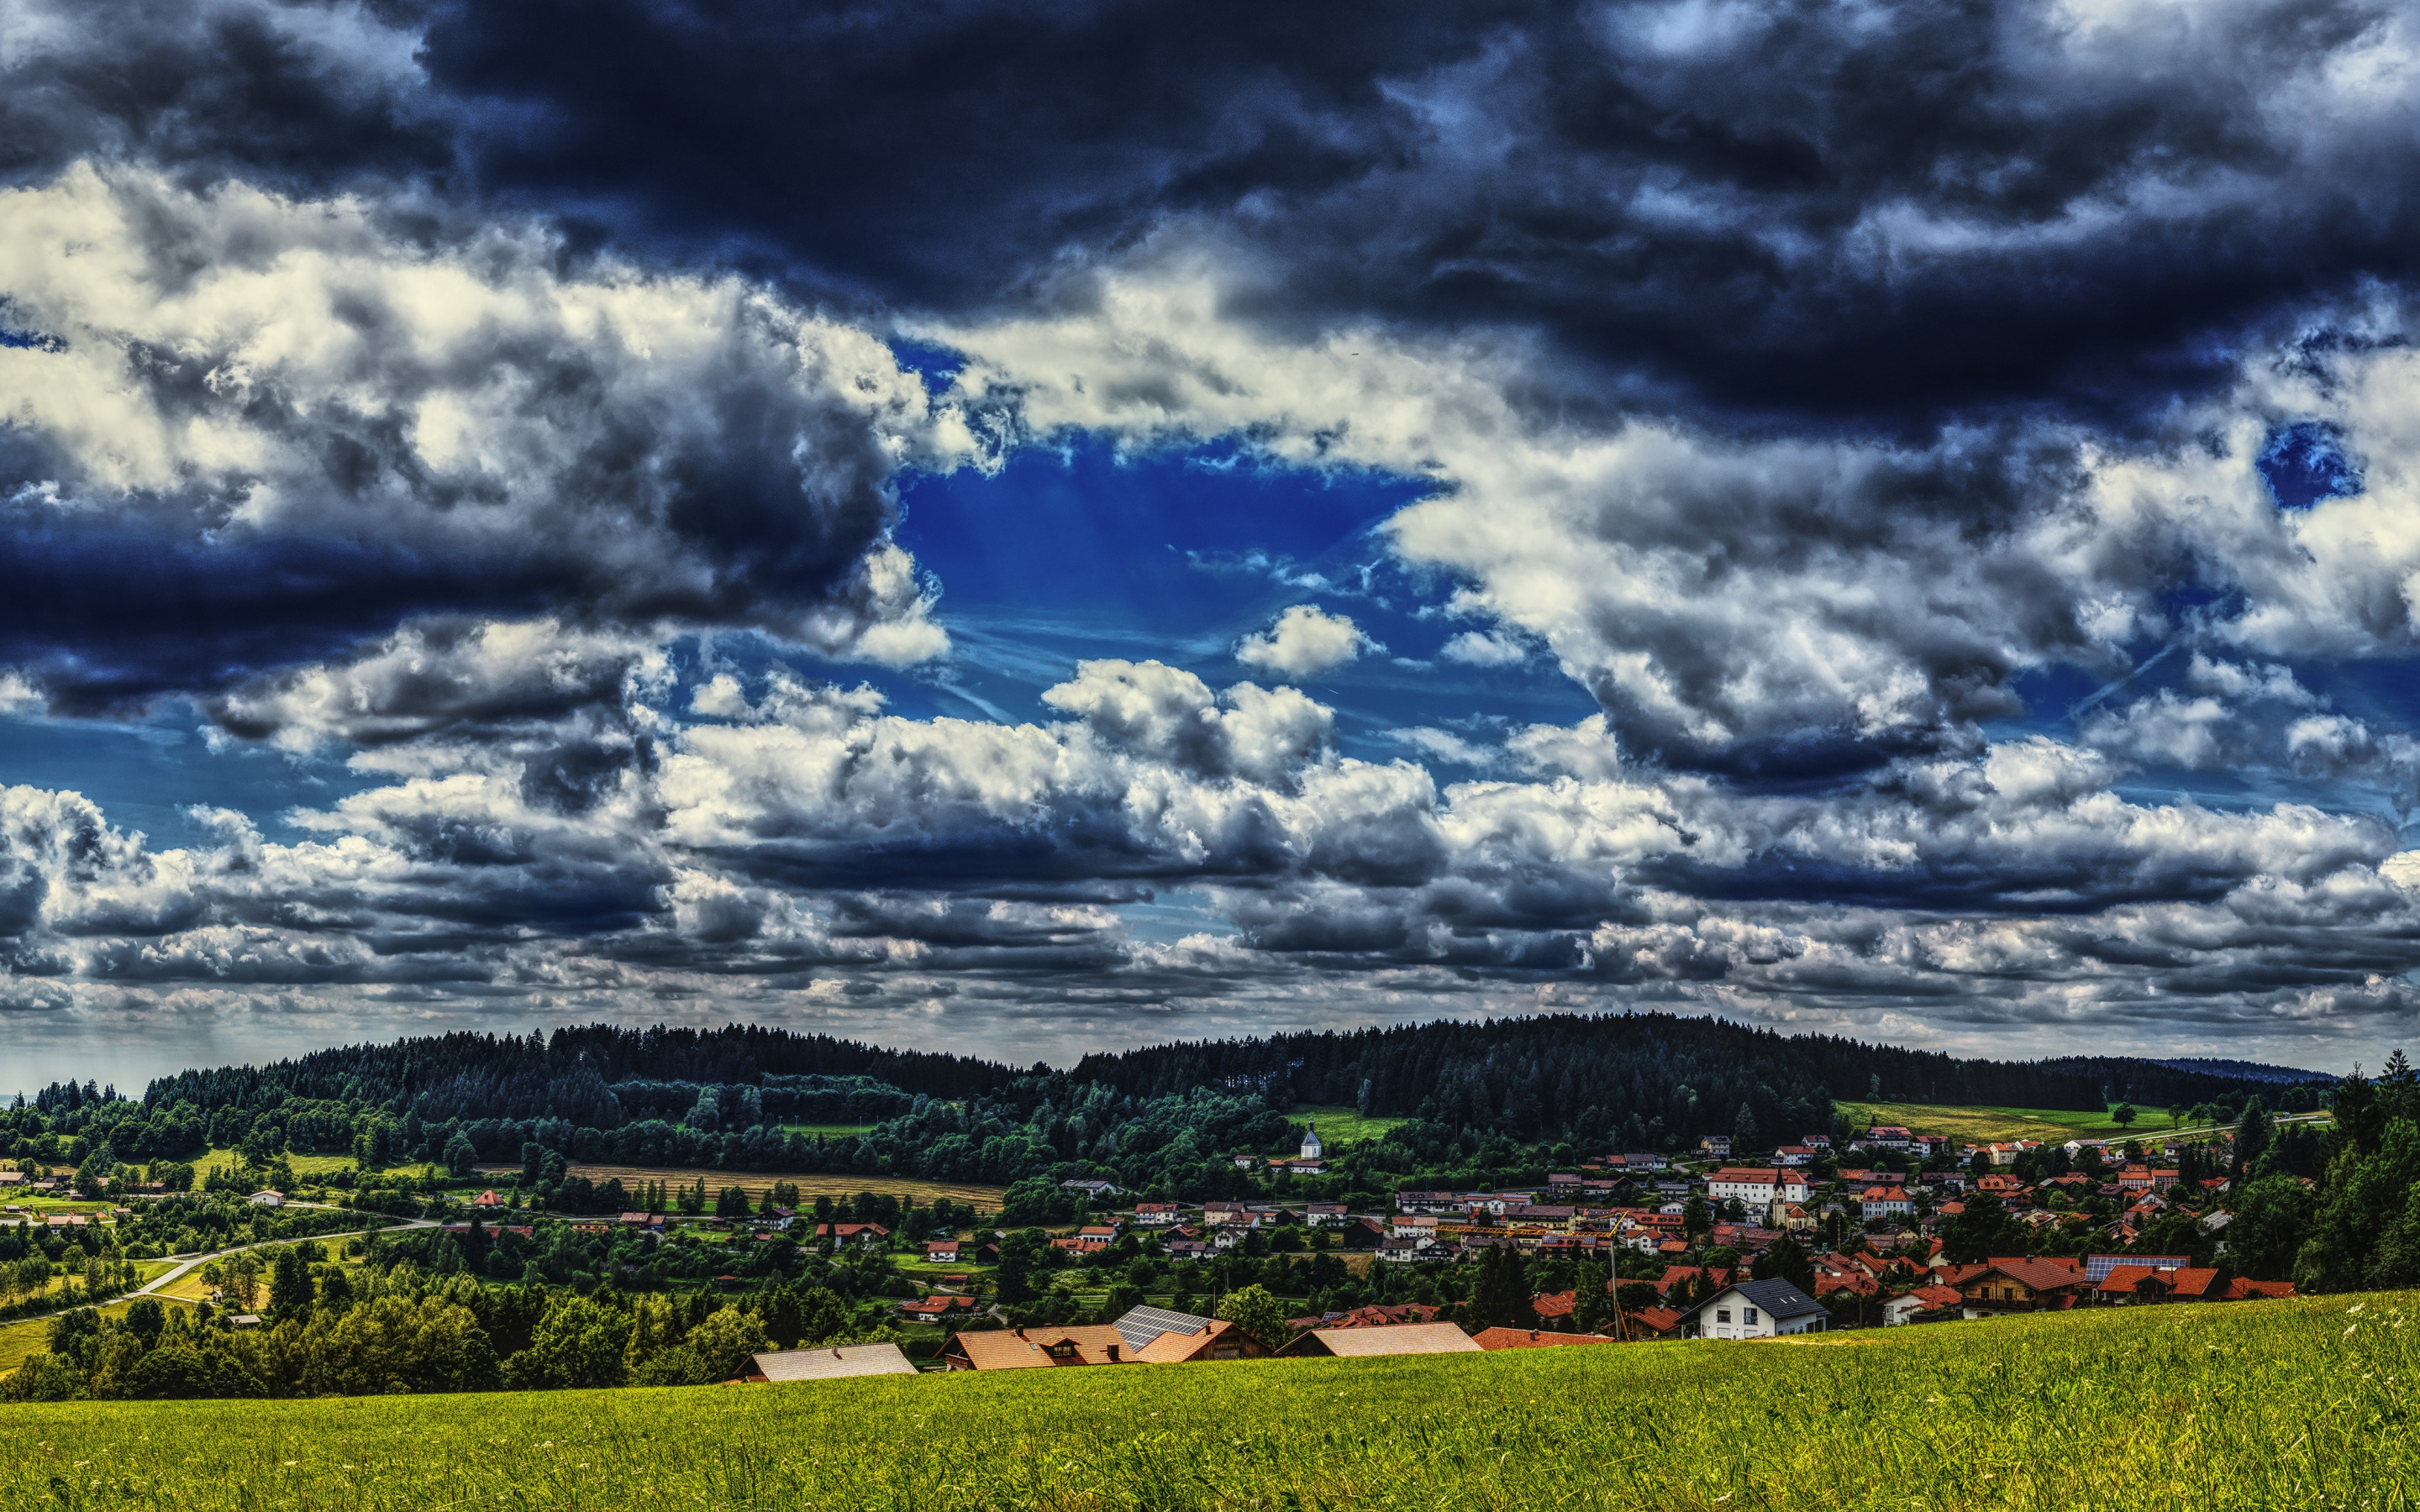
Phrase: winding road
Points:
(187, 1264)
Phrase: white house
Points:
(1760, 1310)
(1156, 1213)
(267, 1199)
(1885, 1202)
(1752, 1185)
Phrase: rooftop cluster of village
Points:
(1896, 1229)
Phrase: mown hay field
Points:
(1981, 1125)
(756, 1183)
(2192, 1408)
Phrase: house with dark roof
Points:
(1141, 1325)
(1760, 1309)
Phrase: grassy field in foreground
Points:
(2199, 1408)
(1343, 1125)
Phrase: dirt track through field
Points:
(811, 1186)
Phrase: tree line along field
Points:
(2277, 1405)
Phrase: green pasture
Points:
(1986, 1125)
(2193, 1408)
(304, 1166)
(1343, 1126)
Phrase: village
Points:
(1806, 1240)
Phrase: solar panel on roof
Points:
(2096, 1267)
(1141, 1325)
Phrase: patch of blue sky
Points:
(2305, 463)
(2060, 699)
(1169, 916)
(145, 774)
(1085, 552)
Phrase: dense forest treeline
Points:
(1484, 1101)
(570, 1075)
(1554, 1068)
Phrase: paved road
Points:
(188, 1262)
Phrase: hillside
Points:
(2245, 1405)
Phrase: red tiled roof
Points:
(1662, 1319)
(1530, 1338)
(1554, 1304)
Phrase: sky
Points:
(1032, 528)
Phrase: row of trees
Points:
(400, 1328)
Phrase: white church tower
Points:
(1311, 1148)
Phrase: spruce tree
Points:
(1501, 1293)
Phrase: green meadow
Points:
(1343, 1125)
(2197, 1408)
(1984, 1125)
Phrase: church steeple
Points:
(1311, 1148)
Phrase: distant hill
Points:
(2245, 1070)
(2179, 1081)
(1633, 1077)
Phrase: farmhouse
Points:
(1399, 1338)
(941, 1252)
(826, 1364)
(1760, 1309)
(1034, 1348)
(938, 1306)
(267, 1199)
(872, 1236)
(2003, 1286)
(1155, 1336)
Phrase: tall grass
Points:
(2284, 1405)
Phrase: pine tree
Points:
(2250, 1135)
(1501, 1295)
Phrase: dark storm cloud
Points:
(1865, 214)
(1800, 208)
(257, 430)
(303, 96)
